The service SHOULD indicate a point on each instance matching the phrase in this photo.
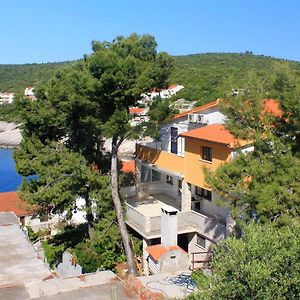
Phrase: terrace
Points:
(144, 216)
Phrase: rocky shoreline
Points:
(10, 135)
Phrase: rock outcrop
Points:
(10, 134)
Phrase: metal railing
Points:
(206, 257)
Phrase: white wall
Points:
(212, 208)
(165, 137)
(241, 150)
(194, 248)
(211, 115)
(68, 267)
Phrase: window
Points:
(201, 241)
(207, 153)
(179, 188)
(196, 205)
(156, 176)
(148, 174)
(174, 137)
(203, 193)
(169, 179)
(145, 174)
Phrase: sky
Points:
(36, 31)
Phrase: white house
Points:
(29, 91)
(170, 171)
(163, 93)
(175, 88)
(7, 98)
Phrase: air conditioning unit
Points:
(197, 118)
(200, 119)
(192, 118)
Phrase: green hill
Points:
(203, 75)
(16, 77)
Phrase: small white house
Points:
(175, 88)
(29, 91)
(163, 93)
(6, 98)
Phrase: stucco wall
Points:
(173, 261)
(194, 165)
(68, 267)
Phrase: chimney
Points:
(168, 226)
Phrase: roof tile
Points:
(198, 109)
(157, 251)
(216, 133)
(11, 202)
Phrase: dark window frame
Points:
(174, 140)
(201, 241)
(155, 175)
(169, 179)
(204, 193)
(207, 153)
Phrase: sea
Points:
(10, 180)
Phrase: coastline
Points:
(10, 135)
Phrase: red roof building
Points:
(128, 166)
(157, 251)
(11, 202)
(136, 110)
(198, 109)
(216, 133)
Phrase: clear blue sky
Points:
(58, 30)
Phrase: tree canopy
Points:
(264, 184)
(63, 130)
(263, 264)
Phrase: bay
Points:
(10, 180)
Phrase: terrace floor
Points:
(150, 205)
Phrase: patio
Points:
(150, 205)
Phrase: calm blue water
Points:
(10, 180)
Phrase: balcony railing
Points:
(136, 218)
(187, 221)
(207, 226)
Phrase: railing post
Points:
(193, 259)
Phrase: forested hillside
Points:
(15, 77)
(205, 76)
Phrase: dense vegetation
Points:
(262, 187)
(81, 105)
(203, 75)
(16, 77)
(209, 76)
(263, 264)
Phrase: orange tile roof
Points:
(128, 166)
(157, 251)
(272, 106)
(172, 86)
(136, 110)
(216, 133)
(198, 109)
(11, 202)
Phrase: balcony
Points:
(161, 159)
(144, 216)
